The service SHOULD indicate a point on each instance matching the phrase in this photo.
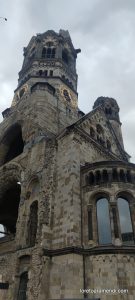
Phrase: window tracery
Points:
(48, 52)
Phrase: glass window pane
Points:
(125, 221)
(104, 229)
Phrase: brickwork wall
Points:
(111, 272)
(66, 277)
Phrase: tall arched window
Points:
(122, 176)
(98, 177)
(23, 286)
(65, 57)
(32, 225)
(115, 176)
(103, 220)
(92, 132)
(105, 176)
(10, 199)
(125, 221)
(14, 141)
(48, 52)
(99, 129)
(91, 178)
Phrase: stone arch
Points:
(95, 196)
(33, 187)
(23, 263)
(10, 190)
(125, 194)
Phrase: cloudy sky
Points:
(105, 32)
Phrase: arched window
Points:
(53, 53)
(103, 220)
(92, 132)
(115, 176)
(22, 292)
(65, 56)
(32, 225)
(129, 177)
(44, 53)
(9, 208)
(13, 140)
(48, 52)
(122, 176)
(22, 91)
(40, 72)
(105, 176)
(99, 129)
(125, 221)
(98, 177)
(66, 95)
(108, 144)
(91, 178)
(108, 110)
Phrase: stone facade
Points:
(67, 195)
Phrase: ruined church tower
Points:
(67, 191)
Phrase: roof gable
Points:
(98, 127)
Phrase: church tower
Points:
(49, 67)
(67, 188)
(111, 110)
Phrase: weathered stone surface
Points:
(64, 161)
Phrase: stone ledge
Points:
(92, 251)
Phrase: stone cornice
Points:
(92, 251)
(116, 163)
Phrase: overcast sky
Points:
(105, 32)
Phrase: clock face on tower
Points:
(68, 96)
